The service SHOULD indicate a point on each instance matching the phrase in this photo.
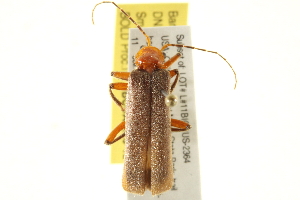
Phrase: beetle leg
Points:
(173, 73)
(171, 61)
(121, 75)
(179, 125)
(117, 86)
(111, 138)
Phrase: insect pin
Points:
(148, 124)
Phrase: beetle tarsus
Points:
(107, 142)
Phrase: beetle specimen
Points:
(148, 124)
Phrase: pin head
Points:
(171, 100)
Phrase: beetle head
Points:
(149, 58)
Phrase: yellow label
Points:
(146, 15)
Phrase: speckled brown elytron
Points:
(148, 163)
(148, 125)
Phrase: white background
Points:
(55, 107)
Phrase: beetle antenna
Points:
(137, 25)
(190, 47)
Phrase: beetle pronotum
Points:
(148, 125)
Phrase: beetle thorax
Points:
(149, 58)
